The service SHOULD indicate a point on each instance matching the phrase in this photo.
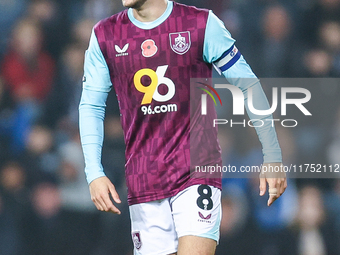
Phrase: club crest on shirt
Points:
(137, 242)
(180, 42)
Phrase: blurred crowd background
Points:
(45, 206)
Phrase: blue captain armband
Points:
(228, 59)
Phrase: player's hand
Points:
(277, 181)
(100, 190)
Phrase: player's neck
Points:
(150, 10)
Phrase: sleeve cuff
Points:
(93, 174)
(272, 156)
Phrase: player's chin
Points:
(128, 3)
(135, 4)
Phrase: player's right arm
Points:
(96, 86)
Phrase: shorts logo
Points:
(149, 48)
(137, 242)
(204, 218)
(180, 42)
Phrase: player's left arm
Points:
(227, 60)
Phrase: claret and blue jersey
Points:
(149, 65)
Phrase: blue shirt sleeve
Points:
(96, 85)
(241, 75)
(227, 60)
(214, 48)
(96, 71)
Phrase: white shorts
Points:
(157, 225)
